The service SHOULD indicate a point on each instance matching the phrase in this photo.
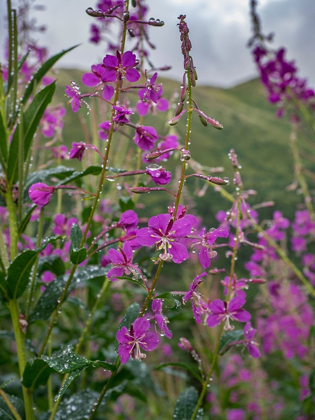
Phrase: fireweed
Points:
(59, 266)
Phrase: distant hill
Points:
(250, 127)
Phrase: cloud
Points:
(219, 32)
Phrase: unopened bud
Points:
(126, 16)
(155, 22)
(94, 13)
(218, 181)
(203, 120)
(179, 109)
(257, 281)
(131, 33)
(176, 119)
(140, 190)
(134, 3)
(184, 344)
(185, 154)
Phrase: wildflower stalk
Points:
(221, 328)
(3, 251)
(298, 168)
(84, 332)
(20, 347)
(95, 202)
(188, 131)
(39, 240)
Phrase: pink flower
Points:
(122, 262)
(98, 78)
(196, 282)
(249, 333)
(139, 337)
(145, 137)
(226, 311)
(160, 319)
(41, 194)
(120, 67)
(159, 175)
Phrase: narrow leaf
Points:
(186, 404)
(228, 338)
(36, 373)
(65, 360)
(52, 263)
(77, 254)
(68, 381)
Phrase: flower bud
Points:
(184, 344)
(126, 16)
(179, 109)
(131, 33)
(176, 119)
(203, 120)
(218, 181)
(40, 193)
(94, 13)
(140, 190)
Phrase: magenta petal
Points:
(150, 341)
(181, 228)
(160, 222)
(109, 75)
(110, 61)
(178, 251)
(162, 105)
(128, 251)
(132, 75)
(124, 352)
(241, 315)
(213, 320)
(115, 256)
(122, 336)
(253, 350)
(204, 258)
(143, 108)
(114, 273)
(128, 59)
(108, 92)
(217, 306)
(90, 79)
(147, 237)
(235, 304)
(140, 326)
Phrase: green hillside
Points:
(250, 127)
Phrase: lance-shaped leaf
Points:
(36, 373)
(186, 404)
(3, 143)
(65, 360)
(48, 301)
(20, 269)
(31, 119)
(77, 406)
(5, 412)
(41, 73)
(77, 253)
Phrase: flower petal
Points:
(204, 258)
(253, 351)
(146, 237)
(115, 256)
(159, 222)
(140, 326)
(132, 75)
(90, 79)
(124, 352)
(114, 273)
(150, 341)
(214, 320)
(128, 59)
(179, 252)
(217, 307)
(181, 228)
(108, 92)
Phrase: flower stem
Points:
(39, 240)
(20, 347)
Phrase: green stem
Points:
(188, 131)
(56, 311)
(21, 166)
(10, 405)
(3, 250)
(49, 382)
(20, 346)
(152, 288)
(39, 240)
(208, 378)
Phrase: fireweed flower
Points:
(150, 98)
(98, 78)
(226, 311)
(206, 241)
(122, 262)
(77, 150)
(121, 67)
(139, 337)
(159, 175)
(120, 115)
(196, 282)
(60, 152)
(251, 345)
(166, 233)
(160, 319)
(62, 224)
(74, 94)
(128, 220)
(145, 137)
(41, 194)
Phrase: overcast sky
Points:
(219, 31)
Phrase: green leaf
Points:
(59, 172)
(228, 338)
(184, 366)
(68, 381)
(36, 373)
(91, 170)
(77, 407)
(31, 119)
(48, 301)
(52, 263)
(5, 412)
(26, 219)
(19, 273)
(77, 254)
(3, 284)
(65, 360)
(186, 404)
(169, 301)
(131, 280)
(104, 365)
(41, 73)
